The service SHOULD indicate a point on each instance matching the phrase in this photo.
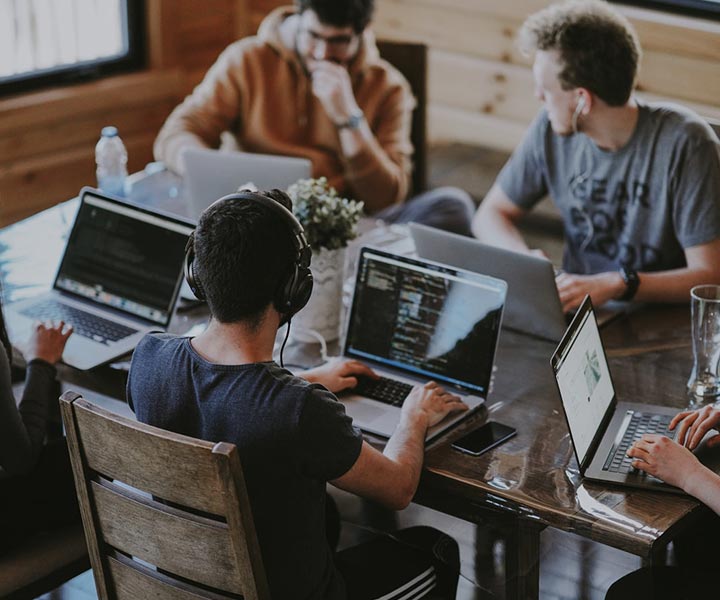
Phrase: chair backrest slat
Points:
(147, 530)
(163, 513)
(131, 583)
(114, 451)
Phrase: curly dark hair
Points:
(340, 13)
(599, 50)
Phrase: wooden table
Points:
(530, 482)
(533, 481)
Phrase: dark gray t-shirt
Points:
(639, 206)
(292, 438)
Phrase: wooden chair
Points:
(411, 60)
(165, 515)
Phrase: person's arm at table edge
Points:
(704, 485)
(703, 266)
(392, 477)
(210, 109)
(376, 167)
(495, 221)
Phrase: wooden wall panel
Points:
(477, 73)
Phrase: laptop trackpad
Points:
(366, 411)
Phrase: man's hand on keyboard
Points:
(338, 374)
(694, 424)
(665, 459)
(47, 341)
(432, 402)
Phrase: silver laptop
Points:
(211, 174)
(601, 428)
(414, 321)
(118, 279)
(533, 305)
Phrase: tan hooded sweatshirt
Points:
(258, 90)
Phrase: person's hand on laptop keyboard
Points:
(694, 424)
(47, 341)
(665, 459)
(338, 374)
(432, 402)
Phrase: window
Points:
(51, 42)
(694, 8)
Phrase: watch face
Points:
(632, 281)
(353, 121)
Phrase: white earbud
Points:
(578, 109)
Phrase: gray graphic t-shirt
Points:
(639, 206)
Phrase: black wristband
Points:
(632, 282)
(41, 362)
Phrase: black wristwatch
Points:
(632, 282)
(354, 121)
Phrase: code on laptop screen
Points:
(124, 258)
(426, 319)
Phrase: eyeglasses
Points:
(335, 42)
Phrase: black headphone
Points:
(292, 293)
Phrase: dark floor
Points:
(571, 568)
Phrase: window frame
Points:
(134, 60)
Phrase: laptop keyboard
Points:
(617, 460)
(388, 391)
(85, 324)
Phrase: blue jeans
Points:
(447, 208)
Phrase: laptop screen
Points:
(426, 319)
(583, 378)
(124, 258)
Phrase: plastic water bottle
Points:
(111, 159)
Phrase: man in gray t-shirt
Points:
(637, 185)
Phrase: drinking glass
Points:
(704, 382)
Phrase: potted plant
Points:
(330, 222)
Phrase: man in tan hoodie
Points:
(312, 84)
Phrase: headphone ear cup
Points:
(189, 269)
(302, 289)
(295, 293)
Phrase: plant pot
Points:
(322, 312)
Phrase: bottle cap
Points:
(109, 131)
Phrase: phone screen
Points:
(484, 438)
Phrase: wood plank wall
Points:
(47, 138)
(480, 86)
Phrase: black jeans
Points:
(665, 583)
(41, 500)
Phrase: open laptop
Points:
(211, 174)
(118, 279)
(413, 321)
(601, 428)
(533, 305)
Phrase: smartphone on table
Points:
(488, 436)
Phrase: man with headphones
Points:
(637, 184)
(249, 259)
